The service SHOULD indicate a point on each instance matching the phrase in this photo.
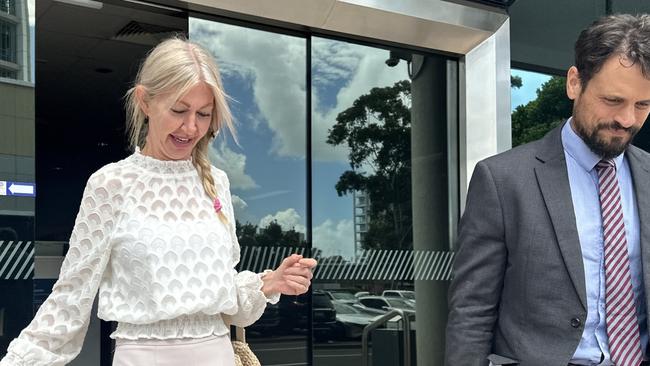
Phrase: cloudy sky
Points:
(531, 81)
(264, 73)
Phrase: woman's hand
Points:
(292, 277)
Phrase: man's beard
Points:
(601, 147)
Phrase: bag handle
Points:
(240, 334)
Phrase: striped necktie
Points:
(622, 322)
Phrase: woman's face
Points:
(175, 127)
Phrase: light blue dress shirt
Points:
(583, 178)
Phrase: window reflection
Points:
(539, 104)
(366, 103)
(264, 73)
(16, 168)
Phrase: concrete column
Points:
(430, 199)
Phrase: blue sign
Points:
(20, 189)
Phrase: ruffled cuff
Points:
(12, 360)
(250, 298)
(23, 353)
(274, 297)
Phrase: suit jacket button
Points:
(576, 322)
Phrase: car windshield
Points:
(343, 296)
(398, 303)
(345, 309)
(322, 301)
(409, 295)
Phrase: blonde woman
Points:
(155, 236)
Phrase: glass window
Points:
(8, 7)
(340, 295)
(265, 75)
(379, 136)
(539, 104)
(7, 74)
(17, 176)
(7, 41)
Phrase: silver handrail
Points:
(405, 315)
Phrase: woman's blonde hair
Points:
(174, 67)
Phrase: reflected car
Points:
(294, 312)
(361, 294)
(342, 296)
(409, 295)
(268, 323)
(323, 316)
(351, 320)
(384, 304)
(402, 294)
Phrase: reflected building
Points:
(16, 122)
(14, 40)
(361, 209)
(17, 150)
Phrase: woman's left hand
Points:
(292, 277)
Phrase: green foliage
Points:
(533, 120)
(377, 131)
(272, 235)
(515, 81)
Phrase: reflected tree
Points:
(272, 235)
(534, 119)
(377, 131)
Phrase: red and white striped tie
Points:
(622, 322)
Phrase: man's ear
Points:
(140, 98)
(573, 83)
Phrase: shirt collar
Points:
(579, 151)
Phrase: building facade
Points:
(411, 93)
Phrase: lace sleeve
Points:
(250, 298)
(56, 334)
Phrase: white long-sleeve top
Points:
(147, 237)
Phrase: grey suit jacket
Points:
(518, 292)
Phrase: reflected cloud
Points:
(268, 194)
(357, 69)
(238, 204)
(233, 164)
(275, 66)
(31, 10)
(287, 219)
(335, 238)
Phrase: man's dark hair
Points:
(625, 35)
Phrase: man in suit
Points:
(553, 258)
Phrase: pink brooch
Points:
(217, 205)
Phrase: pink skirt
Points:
(209, 351)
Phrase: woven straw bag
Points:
(243, 354)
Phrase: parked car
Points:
(385, 304)
(268, 323)
(351, 320)
(323, 316)
(402, 294)
(405, 294)
(344, 296)
(294, 314)
(361, 294)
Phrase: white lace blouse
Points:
(148, 239)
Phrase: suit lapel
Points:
(640, 168)
(553, 180)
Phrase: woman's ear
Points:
(140, 97)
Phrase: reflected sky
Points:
(264, 73)
(531, 81)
